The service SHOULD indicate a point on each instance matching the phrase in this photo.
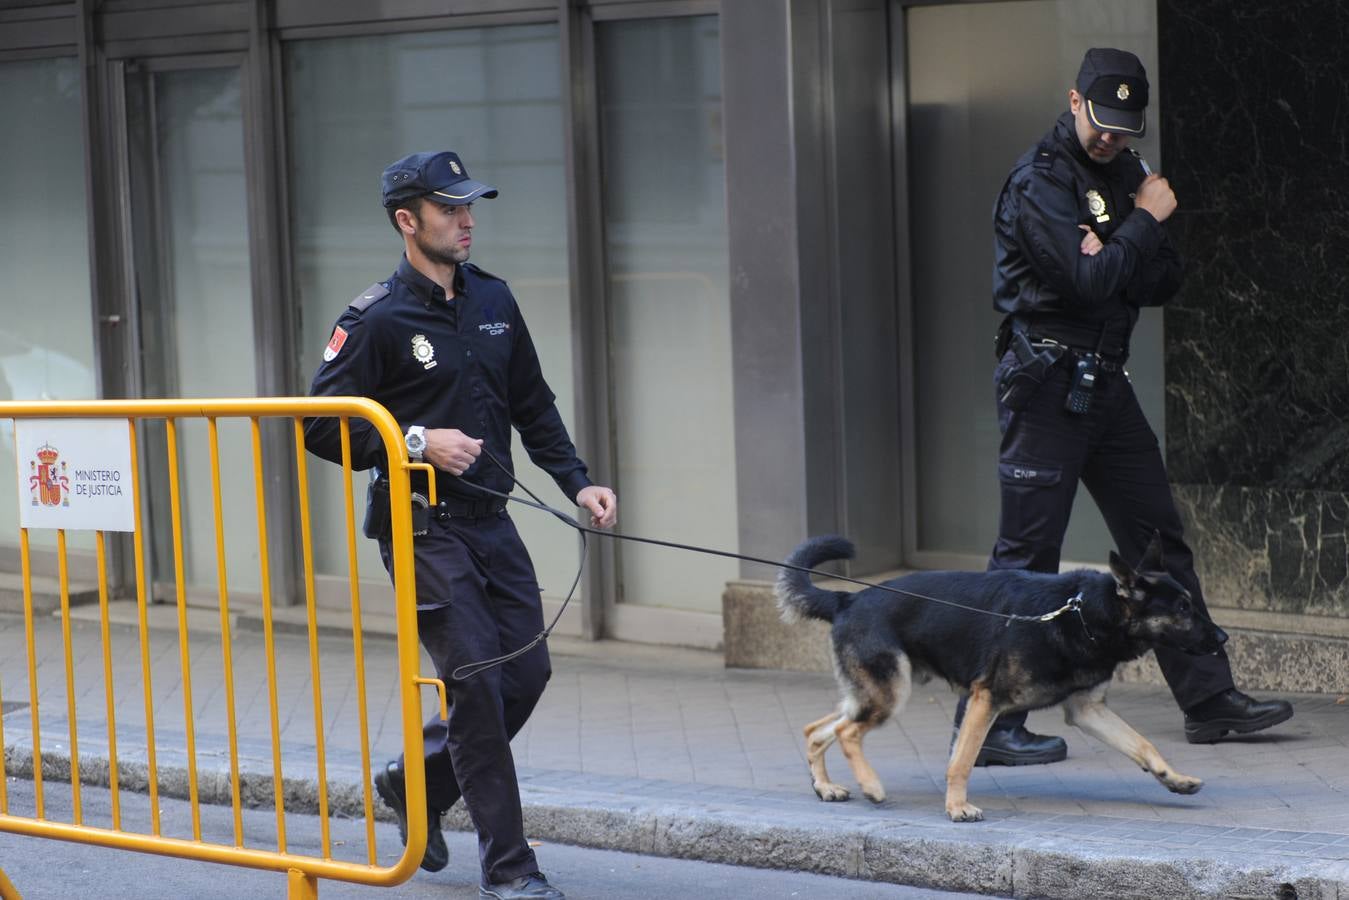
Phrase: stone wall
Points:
(1252, 100)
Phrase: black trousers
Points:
(477, 598)
(1111, 449)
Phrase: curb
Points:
(953, 858)
(929, 854)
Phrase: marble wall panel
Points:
(1263, 549)
(1255, 133)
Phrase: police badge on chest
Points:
(1096, 206)
(423, 352)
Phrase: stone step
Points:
(206, 620)
(46, 593)
(328, 622)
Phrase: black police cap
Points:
(1114, 86)
(439, 176)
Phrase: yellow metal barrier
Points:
(302, 872)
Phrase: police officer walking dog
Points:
(1079, 249)
(443, 346)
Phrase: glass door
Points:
(670, 316)
(985, 81)
(192, 303)
(46, 345)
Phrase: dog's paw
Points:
(874, 792)
(829, 792)
(964, 812)
(1181, 784)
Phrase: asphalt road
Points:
(44, 869)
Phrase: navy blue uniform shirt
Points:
(465, 363)
(1039, 272)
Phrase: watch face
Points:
(416, 443)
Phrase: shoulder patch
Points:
(1044, 156)
(370, 296)
(335, 344)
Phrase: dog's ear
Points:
(1123, 572)
(1152, 557)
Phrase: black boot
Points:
(529, 887)
(389, 784)
(1017, 746)
(1232, 710)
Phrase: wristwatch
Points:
(415, 440)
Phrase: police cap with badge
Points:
(440, 176)
(1114, 86)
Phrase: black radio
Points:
(1082, 384)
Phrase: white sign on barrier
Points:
(75, 474)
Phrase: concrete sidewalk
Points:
(664, 751)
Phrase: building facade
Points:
(752, 241)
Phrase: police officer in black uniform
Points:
(1079, 249)
(443, 346)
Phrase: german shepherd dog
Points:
(884, 639)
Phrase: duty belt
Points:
(444, 510)
(467, 509)
(1107, 364)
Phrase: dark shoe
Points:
(1232, 711)
(389, 784)
(533, 887)
(1017, 746)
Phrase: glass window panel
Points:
(47, 343)
(189, 196)
(670, 342)
(356, 104)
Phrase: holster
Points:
(377, 523)
(379, 516)
(1020, 383)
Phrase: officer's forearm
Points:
(323, 438)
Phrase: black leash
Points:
(1074, 603)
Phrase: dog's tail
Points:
(797, 597)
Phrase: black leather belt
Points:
(468, 509)
(1106, 364)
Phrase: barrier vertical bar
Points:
(26, 565)
(301, 886)
(357, 638)
(143, 620)
(409, 652)
(184, 652)
(108, 687)
(226, 644)
(311, 610)
(7, 891)
(4, 795)
(63, 575)
(268, 638)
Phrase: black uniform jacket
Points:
(1040, 275)
(465, 363)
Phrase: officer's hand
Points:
(451, 450)
(1091, 244)
(1155, 195)
(602, 504)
